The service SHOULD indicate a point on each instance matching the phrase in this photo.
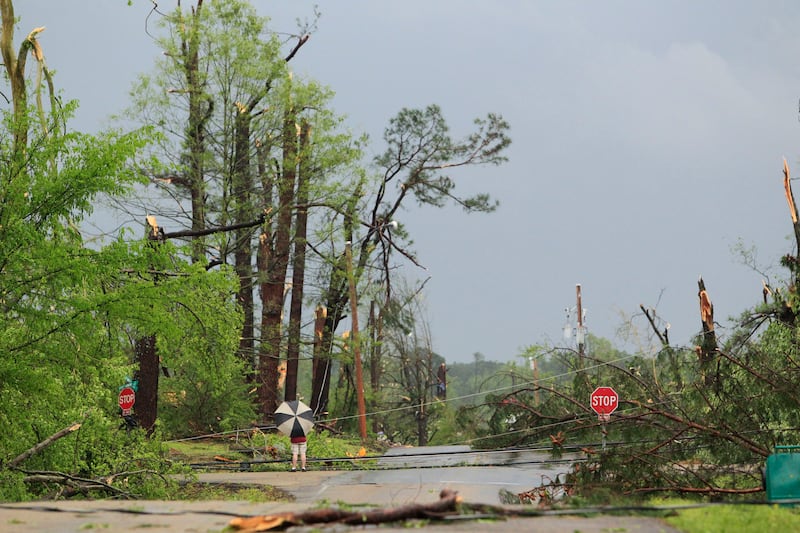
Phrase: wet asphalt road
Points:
(406, 475)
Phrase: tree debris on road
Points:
(447, 505)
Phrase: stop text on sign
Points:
(127, 397)
(604, 400)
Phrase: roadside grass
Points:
(272, 452)
(200, 451)
(740, 518)
(724, 517)
(698, 515)
(194, 491)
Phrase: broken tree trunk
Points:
(787, 310)
(298, 265)
(707, 349)
(787, 185)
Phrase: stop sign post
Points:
(604, 401)
(127, 397)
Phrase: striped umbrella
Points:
(294, 418)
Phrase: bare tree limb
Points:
(300, 42)
(82, 485)
(663, 337)
(219, 229)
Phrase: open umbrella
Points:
(294, 418)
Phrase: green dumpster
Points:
(782, 474)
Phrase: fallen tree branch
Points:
(44, 444)
(446, 505)
(736, 439)
(327, 427)
(663, 337)
(82, 485)
(111, 477)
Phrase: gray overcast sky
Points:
(648, 141)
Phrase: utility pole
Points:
(579, 334)
(535, 368)
(362, 408)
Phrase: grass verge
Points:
(194, 491)
(739, 518)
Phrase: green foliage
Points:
(57, 365)
(446, 428)
(205, 391)
(419, 144)
(128, 461)
(71, 312)
(12, 487)
(321, 446)
(139, 463)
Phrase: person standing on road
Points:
(299, 445)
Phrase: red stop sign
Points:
(604, 400)
(127, 397)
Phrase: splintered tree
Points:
(787, 302)
(225, 87)
(298, 266)
(274, 253)
(707, 349)
(15, 66)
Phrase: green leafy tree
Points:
(72, 309)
